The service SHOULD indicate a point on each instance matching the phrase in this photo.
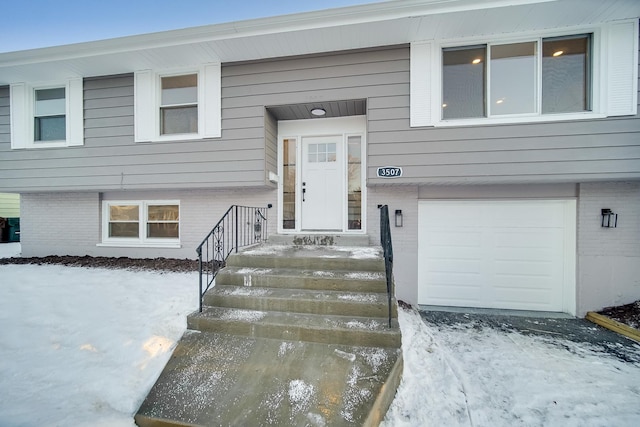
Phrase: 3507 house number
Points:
(389, 172)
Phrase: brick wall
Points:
(59, 223)
(70, 223)
(608, 258)
(405, 238)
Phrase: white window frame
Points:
(147, 103)
(162, 106)
(614, 74)
(22, 107)
(142, 240)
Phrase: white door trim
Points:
(297, 129)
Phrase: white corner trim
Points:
(19, 112)
(420, 71)
(75, 112)
(211, 99)
(622, 68)
(144, 105)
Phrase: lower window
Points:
(141, 222)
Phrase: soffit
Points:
(354, 107)
(378, 24)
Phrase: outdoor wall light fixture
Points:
(398, 218)
(318, 112)
(609, 219)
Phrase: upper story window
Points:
(587, 73)
(179, 104)
(545, 76)
(47, 115)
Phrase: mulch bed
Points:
(629, 314)
(151, 264)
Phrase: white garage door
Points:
(498, 254)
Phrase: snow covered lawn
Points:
(461, 375)
(82, 347)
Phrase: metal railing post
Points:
(224, 238)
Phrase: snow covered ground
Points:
(464, 376)
(82, 347)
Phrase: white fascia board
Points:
(351, 15)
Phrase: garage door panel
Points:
(525, 268)
(448, 294)
(442, 237)
(532, 297)
(454, 266)
(495, 254)
(526, 238)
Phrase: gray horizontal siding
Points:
(110, 159)
(513, 153)
(575, 151)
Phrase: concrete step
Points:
(355, 281)
(359, 304)
(364, 331)
(319, 239)
(217, 379)
(317, 258)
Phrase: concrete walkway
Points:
(228, 380)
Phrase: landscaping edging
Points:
(614, 325)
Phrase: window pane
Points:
(355, 183)
(331, 152)
(180, 90)
(123, 213)
(463, 82)
(123, 229)
(289, 184)
(52, 128)
(566, 74)
(179, 120)
(513, 78)
(163, 212)
(50, 102)
(163, 230)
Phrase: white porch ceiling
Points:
(378, 24)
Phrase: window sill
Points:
(167, 245)
(175, 137)
(519, 119)
(39, 145)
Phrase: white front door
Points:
(322, 183)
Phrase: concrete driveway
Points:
(542, 324)
(503, 370)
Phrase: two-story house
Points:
(496, 131)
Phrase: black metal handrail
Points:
(387, 248)
(240, 226)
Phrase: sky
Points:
(29, 24)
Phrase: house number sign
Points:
(389, 172)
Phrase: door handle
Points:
(304, 190)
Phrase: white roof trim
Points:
(351, 15)
(355, 27)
